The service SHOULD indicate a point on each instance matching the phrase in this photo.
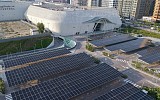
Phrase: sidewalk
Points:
(157, 79)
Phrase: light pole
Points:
(34, 47)
(41, 44)
(20, 47)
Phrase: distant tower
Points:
(156, 13)
(69, 1)
(78, 2)
(110, 3)
(95, 3)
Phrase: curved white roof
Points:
(73, 19)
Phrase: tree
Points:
(40, 27)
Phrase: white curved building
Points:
(13, 10)
(63, 19)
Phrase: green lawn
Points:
(139, 31)
(24, 45)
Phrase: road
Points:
(147, 29)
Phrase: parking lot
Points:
(122, 65)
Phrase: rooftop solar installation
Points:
(32, 57)
(150, 55)
(48, 68)
(112, 40)
(125, 92)
(70, 85)
(129, 46)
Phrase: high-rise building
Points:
(156, 13)
(109, 3)
(103, 3)
(142, 8)
(125, 8)
(94, 3)
(149, 7)
(135, 9)
(79, 2)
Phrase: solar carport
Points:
(125, 92)
(129, 46)
(150, 55)
(111, 41)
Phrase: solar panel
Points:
(129, 46)
(70, 85)
(147, 97)
(32, 57)
(150, 55)
(97, 36)
(24, 52)
(149, 51)
(125, 92)
(47, 68)
(112, 40)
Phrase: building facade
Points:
(135, 9)
(94, 3)
(13, 10)
(125, 8)
(71, 21)
(79, 2)
(109, 3)
(142, 8)
(156, 13)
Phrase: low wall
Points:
(24, 37)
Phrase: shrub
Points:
(138, 65)
(89, 47)
(124, 76)
(2, 86)
(108, 55)
(105, 54)
(96, 60)
(154, 92)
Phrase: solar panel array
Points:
(129, 46)
(103, 35)
(125, 92)
(32, 57)
(47, 68)
(57, 40)
(112, 40)
(24, 52)
(70, 85)
(150, 55)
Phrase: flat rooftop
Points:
(57, 6)
(62, 6)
